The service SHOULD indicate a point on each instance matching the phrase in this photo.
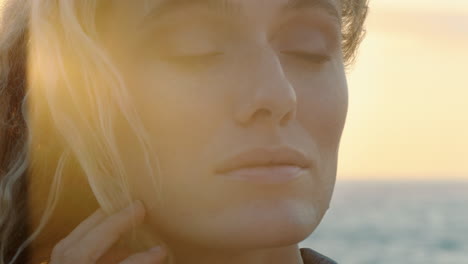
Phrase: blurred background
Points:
(402, 187)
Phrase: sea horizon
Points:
(399, 221)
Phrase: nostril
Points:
(263, 114)
(287, 118)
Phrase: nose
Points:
(270, 95)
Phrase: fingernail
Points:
(136, 208)
(158, 251)
(138, 203)
(155, 249)
(134, 204)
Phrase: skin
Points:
(201, 108)
(92, 241)
(2, 117)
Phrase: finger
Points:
(98, 240)
(84, 227)
(153, 256)
(115, 255)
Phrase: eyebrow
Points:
(168, 6)
(326, 5)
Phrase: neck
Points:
(281, 255)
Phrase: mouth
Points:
(277, 165)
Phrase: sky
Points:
(422, 5)
(408, 115)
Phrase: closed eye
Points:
(199, 56)
(196, 60)
(309, 57)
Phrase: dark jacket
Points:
(310, 256)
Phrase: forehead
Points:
(118, 16)
(245, 7)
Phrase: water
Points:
(395, 222)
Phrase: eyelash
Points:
(208, 58)
(309, 57)
(193, 60)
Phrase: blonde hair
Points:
(66, 127)
(74, 99)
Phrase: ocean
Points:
(372, 222)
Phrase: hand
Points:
(92, 240)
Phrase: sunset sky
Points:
(408, 116)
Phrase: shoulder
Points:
(311, 256)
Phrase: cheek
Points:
(176, 109)
(183, 116)
(322, 106)
(322, 109)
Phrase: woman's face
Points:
(212, 79)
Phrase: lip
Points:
(273, 165)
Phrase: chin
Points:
(266, 225)
(264, 220)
